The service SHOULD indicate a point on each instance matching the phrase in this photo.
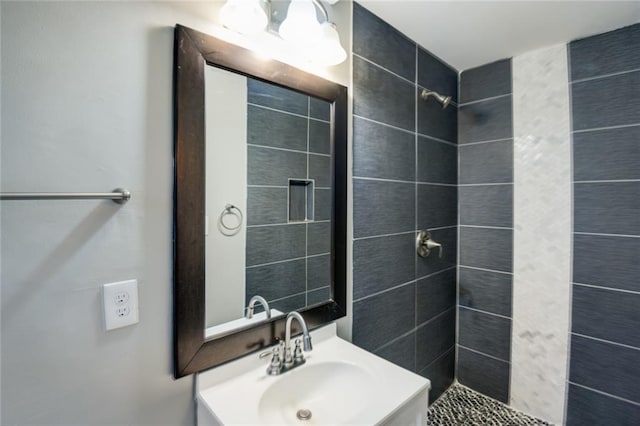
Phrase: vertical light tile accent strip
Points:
(542, 233)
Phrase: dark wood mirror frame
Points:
(194, 50)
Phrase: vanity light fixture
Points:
(301, 28)
(329, 47)
(244, 16)
(301, 25)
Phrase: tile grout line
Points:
(567, 371)
(597, 234)
(391, 126)
(386, 290)
(435, 139)
(406, 80)
(485, 142)
(485, 312)
(603, 76)
(371, 120)
(513, 233)
(266, 225)
(416, 210)
(610, 342)
(383, 235)
(287, 112)
(435, 317)
(486, 269)
(442, 355)
(375, 179)
(440, 228)
(596, 129)
(507, 228)
(485, 184)
(490, 98)
(484, 354)
(606, 181)
(604, 393)
(275, 148)
(620, 290)
(433, 274)
(458, 241)
(285, 261)
(306, 228)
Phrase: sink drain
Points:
(303, 414)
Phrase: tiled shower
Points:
(404, 306)
(553, 329)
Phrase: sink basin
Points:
(331, 391)
(340, 384)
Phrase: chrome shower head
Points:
(444, 100)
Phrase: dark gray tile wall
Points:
(405, 177)
(484, 374)
(485, 195)
(288, 137)
(605, 342)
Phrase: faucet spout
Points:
(306, 338)
(291, 360)
(252, 304)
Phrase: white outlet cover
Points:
(113, 309)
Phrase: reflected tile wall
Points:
(405, 177)
(288, 138)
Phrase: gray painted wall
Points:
(87, 95)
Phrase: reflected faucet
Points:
(252, 303)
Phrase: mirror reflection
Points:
(268, 201)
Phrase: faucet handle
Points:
(276, 363)
(298, 357)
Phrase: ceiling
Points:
(466, 34)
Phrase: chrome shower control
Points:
(424, 244)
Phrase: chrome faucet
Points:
(297, 358)
(283, 358)
(252, 303)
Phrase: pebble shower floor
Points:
(461, 406)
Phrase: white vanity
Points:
(339, 384)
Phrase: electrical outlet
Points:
(120, 300)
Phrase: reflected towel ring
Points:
(230, 209)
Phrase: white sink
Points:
(340, 384)
(316, 389)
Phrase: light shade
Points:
(243, 16)
(328, 50)
(301, 25)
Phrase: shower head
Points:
(444, 100)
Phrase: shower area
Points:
(530, 183)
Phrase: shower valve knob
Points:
(424, 244)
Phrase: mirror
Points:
(277, 211)
(268, 200)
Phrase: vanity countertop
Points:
(339, 383)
